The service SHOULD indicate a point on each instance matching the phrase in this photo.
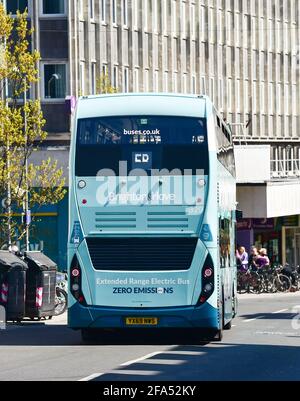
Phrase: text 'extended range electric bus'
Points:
(151, 215)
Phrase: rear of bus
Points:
(142, 247)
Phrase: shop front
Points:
(291, 240)
(261, 233)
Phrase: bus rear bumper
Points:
(204, 316)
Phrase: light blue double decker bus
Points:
(152, 215)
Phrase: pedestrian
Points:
(242, 258)
(252, 258)
(262, 259)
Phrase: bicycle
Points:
(249, 281)
(61, 293)
(282, 282)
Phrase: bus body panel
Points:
(141, 104)
(174, 304)
(102, 215)
(202, 317)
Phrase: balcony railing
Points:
(285, 168)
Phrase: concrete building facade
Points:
(244, 54)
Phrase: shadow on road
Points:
(269, 316)
(217, 362)
(42, 334)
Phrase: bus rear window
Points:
(143, 142)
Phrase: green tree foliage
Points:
(103, 85)
(21, 127)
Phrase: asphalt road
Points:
(263, 344)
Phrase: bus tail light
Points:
(75, 282)
(207, 278)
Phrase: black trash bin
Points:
(41, 285)
(12, 285)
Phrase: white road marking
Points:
(93, 376)
(278, 333)
(280, 311)
(132, 372)
(184, 352)
(140, 359)
(90, 377)
(255, 318)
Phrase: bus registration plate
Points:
(147, 321)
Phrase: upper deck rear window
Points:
(164, 142)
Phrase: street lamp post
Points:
(26, 206)
(53, 77)
(8, 192)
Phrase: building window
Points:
(104, 69)
(262, 97)
(246, 64)
(92, 9)
(175, 82)
(82, 78)
(194, 89)
(54, 81)
(115, 77)
(146, 81)
(56, 7)
(13, 6)
(146, 15)
(114, 12)
(125, 79)
(193, 21)
(135, 11)
(136, 80)
(254, 97)
(11, 94)
(271, 98)
(220, 26)
(125, 13)
(103, 11)
(166, 82)
(93, 78)
(165, 16)
(212, 88)
(183, 19)
(80, 9)
(246, 96)
(287, 99)
(174, 17)
(155, 16)
(238, 95)
(229, 94)
(278, 99)
(212, 25)
(229, 27)
(203, 26)
(203, 85)
(184, 83)
(155, 81)
(220, 93)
